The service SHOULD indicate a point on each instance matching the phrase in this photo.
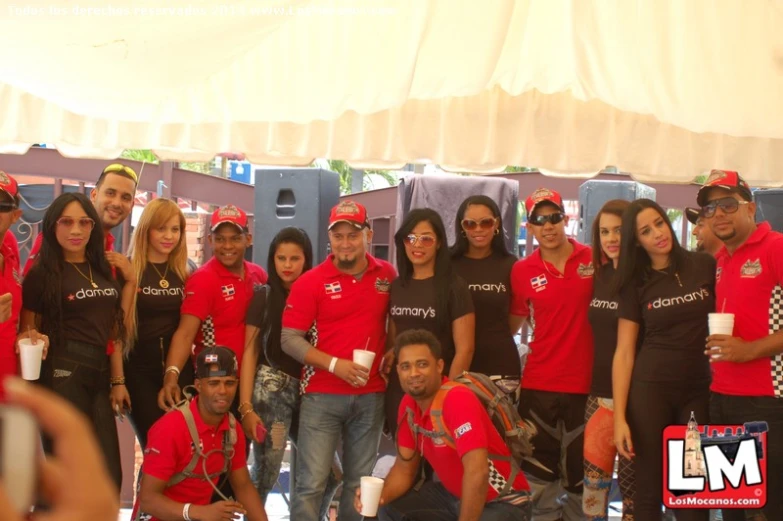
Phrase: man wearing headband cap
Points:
(554, 285)
(747, 366)
(705, 239)
(170, 488)
(347, 297)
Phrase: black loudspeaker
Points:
(594, 194)
(301, 197)
(769, 207)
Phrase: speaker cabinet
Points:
(769, 207)
(594, 194)
(301, 197)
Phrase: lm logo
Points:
(720, 466)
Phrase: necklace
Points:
(163, 282)
(92, 282)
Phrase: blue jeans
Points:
(276, 401)
(434, 503)
(323, 419)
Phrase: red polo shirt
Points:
(346, 312)
(472, 429)
(170, 449)
(750, 283)
(10, 282)
(108, 245)
(561, 352)
(214, 293)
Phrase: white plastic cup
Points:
(363, 357)
(721, 323)
(370, 495)
(30, 355)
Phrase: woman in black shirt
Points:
(159, 257)
(480, 257)
(428, 295)
(668, 292)
(599, 450)
(71, 295)
(269, 384)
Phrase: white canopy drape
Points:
(663, 89)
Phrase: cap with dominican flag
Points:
(726, 179)
(216, 361)
(541, 196)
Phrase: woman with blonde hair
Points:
(159, 257)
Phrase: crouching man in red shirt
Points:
(474, 474)
(177, 483)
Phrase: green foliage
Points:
(516, 169)
(140, 155)
(344, 170)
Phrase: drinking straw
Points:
(367, 345)
(723, 309)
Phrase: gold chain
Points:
(92, 282)
(163, 282)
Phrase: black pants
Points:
(558, 449)
(729, 410)
(144, 379)
(80, 374)
(652, 407)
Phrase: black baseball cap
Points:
(692, 214)
(216, 361)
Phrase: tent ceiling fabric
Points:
(665, 90)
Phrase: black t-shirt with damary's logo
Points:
(413, 307)
(88, 313)
(489, 282)
(157, 308)
(673, 309)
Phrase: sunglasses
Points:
(486, 223)
(727, 205)
(554, 218)
(69, 222)
(117, 168)
(426, 241)
(7, 207)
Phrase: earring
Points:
(497, 231)
(463, 233)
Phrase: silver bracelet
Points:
(172, 369)
(333, 364)
(186, 512)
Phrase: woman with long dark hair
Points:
(159, 258)
(269, 384)
(428, 295)
(480, 257)
(71, 296)
(668, 293)
(599, 449)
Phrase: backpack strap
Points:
(229, 440)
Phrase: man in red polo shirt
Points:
(474, 473)
(747, 368)
(172, 487)
(217, 296)
(347, 297)
(113, 198)
(553, 288)
(10, 281)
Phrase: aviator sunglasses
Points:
(486, 223)
(426, 241)
(726, 204)
(540, 220)
(69, 222)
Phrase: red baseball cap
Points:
(8, 184)
(726, 179)
(540, 196)
(349, 212)
(229, 214)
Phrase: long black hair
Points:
(271, 326)
(51, 261)
(635, 265)
(498, 243)
(443, 273)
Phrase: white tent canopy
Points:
(665, 90)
